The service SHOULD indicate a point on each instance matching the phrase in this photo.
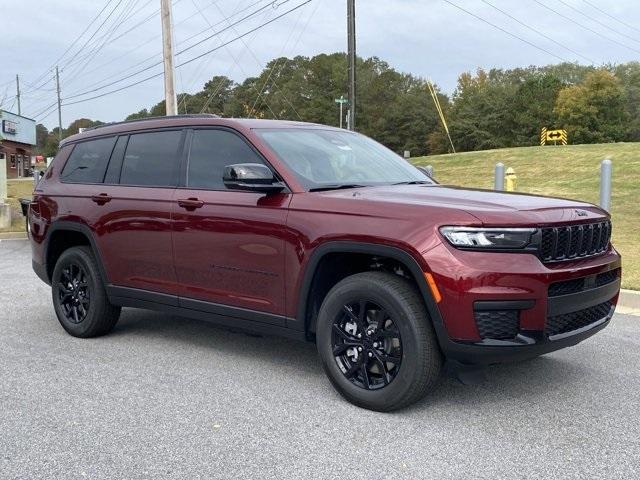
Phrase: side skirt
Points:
(232, 317)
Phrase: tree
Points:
(594, 111)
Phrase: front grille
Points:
(572, 321)
(497, 324)
(583, 283)
(566, 242)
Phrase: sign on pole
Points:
(341, 101)
(555, 136)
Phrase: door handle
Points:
(190, 203)
(101, 199)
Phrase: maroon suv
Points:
(316, 233)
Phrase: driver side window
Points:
(211, 151)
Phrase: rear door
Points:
(134, 225)
(228, 244)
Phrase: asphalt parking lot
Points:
(166, 397)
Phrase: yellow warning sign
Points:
(555, 136)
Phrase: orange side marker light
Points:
(434, 288)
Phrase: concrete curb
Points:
(13, 235)
(629, 302)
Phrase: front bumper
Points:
(517, 286)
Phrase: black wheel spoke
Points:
(73, 292)
(377, 359)
(350, 313)
(365, 375)
(343, 347)
(351, 371)
(385, 357)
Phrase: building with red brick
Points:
(17, 139)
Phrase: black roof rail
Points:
(194, 115)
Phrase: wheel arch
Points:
(63, 235)
(305, 307)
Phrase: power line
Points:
(262, 66)
(94, 47)
(177, 54)
(580, 12)
(186, 62)
(537, 31)
(92, 35)
(101, 42)
(595, 32)
(153, 57)
(506, 31)
(72, 43)
(221, 82)
(611, 16)
(235, 60)
(304, 28)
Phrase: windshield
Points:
(324, 159)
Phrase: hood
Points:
(488, 206)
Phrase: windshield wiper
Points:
(414, 182)
(338, 186)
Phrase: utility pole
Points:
(341, 101)
(167, 52)
(18, 92)
(351, 54)
(59, 105)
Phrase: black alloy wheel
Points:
(79, 296)
(74, 296)
(376, 342)
(367, 345)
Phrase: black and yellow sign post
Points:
(555, 136)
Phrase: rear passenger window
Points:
(88, 161)
(151, 159)
(211, 151)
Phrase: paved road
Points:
(165, 397)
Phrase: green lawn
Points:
(570, 171)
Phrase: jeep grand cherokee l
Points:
(316, 233)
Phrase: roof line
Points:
(199, 115)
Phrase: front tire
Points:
(376, 341)
(79, 298)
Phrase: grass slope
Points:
(570, 171)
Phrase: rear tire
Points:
(79, 298)
(385, 358)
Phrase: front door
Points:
(228, 244)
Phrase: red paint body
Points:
(250, 250)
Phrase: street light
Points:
(341, 101)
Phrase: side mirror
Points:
(251, 176)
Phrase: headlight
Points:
(488, 238)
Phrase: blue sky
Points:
(430, 38)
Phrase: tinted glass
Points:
(113, 170)
(88, 161)
(211, 151)
(151, 159)
(335, 157)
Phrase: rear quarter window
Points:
(88, 161)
